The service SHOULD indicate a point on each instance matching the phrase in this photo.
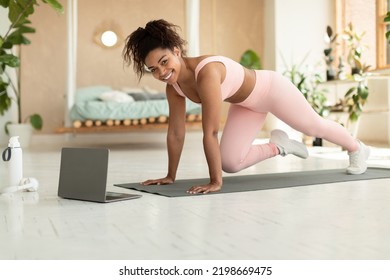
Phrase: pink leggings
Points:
(273, 93)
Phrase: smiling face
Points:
(164, 64)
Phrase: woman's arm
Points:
(175, 136)
(209, 90)
(176, 130)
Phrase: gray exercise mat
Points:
(262, 181)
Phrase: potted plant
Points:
(250, 60)
(356, 96)
(351, 106)
(10, 42)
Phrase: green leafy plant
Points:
(355, 48)
(387, 19)
(250, 59)
(356, 96)
(20, 25)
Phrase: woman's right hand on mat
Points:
(212, 187)
(161, 181)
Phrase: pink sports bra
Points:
(233, 79)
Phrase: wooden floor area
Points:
(347, 220)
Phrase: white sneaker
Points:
(357, 160)
(286, 145)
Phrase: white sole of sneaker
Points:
(281, 138)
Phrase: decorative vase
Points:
(317, 142)
(23, 130)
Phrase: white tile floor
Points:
(332, 221)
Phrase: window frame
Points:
(382, 45)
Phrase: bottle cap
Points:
(14, 142)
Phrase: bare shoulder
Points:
(173, 95)
(213, 71)
(169, 89)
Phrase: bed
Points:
(102, 108)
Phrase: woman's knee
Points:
(231, 165)
(231, 168)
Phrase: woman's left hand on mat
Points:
(162, 181)
(212, 187)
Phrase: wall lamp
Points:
(108, 35)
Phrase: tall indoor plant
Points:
(356, 96)
(19, 12)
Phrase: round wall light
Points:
(109, 38)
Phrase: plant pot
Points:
(23, 130)
(317, 142)
(355, 70)
(330, 74)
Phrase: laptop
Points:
(83, 176)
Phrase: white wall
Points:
(269, 53)
(295, 29)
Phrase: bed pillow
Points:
(90, 93)
(116, 96)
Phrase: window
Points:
(383, 47)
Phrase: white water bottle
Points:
(13, 156)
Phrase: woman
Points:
(210, 80)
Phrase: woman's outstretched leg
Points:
(288, 104)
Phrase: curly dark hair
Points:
(156, 34)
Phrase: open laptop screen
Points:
(83, 176)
